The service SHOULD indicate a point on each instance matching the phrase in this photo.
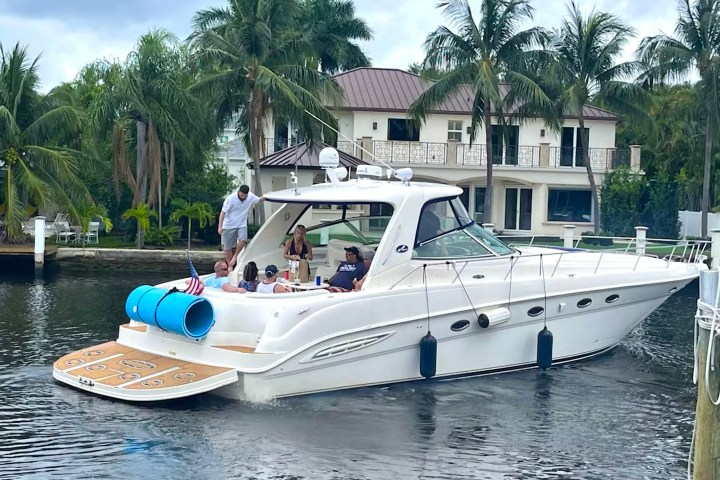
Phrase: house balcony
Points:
(523, 156)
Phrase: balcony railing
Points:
(431, 153)
(351, 148)
(600, 158)
(520, 156)
(410, 152)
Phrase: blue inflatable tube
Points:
(173, 311)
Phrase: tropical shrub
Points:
(210, 185)
(200, 211)
(661, 216)
(622, 208)
(162, 237)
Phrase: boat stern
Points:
(125, 373)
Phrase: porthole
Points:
(672, 290)
(460, 325)
(585, 302)
(612, 298)
(535, 311)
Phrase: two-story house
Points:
(539, 178)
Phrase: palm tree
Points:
(145, 104)
(254, 50)
(87, 213)
(142, 215)
(332, 26)
(482, 54)
(36, 166)
(200, 211)
(587, 50)
(695, 48)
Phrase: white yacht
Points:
(442, 298)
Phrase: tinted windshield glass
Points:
(487, 240)
(359, 223)
(437, 218)
(445, 230)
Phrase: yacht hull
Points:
(385, 352)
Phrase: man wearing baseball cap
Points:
(351, 269)
(270, 283)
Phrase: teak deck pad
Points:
(116, 366)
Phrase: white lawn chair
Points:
(28, 227)
(64, 234)
(93, 233)
(52, 228)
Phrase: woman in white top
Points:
(270, 283)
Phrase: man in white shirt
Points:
(270, 283)
(232, 224)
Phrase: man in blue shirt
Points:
(351, 269)
(220, 278)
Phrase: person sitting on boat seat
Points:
(220, 278)
(351, 269)
(250, 272)
(249, 280)
(270, 283)
(367, 256)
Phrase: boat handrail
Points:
(694, 257)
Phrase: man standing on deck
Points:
(232, 224)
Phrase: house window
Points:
(572, 152)
(505, 144)
(403, 130)
(455, 130)
(569, 206)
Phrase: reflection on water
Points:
(625, 415)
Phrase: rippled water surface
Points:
(625, 415)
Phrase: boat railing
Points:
(683, 251)
(691, 251)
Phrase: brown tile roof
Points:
(394, 90)
(305, 156)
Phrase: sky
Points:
(68, 34)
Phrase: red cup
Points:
(287, 275)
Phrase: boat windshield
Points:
(445, 230)
(357, 223)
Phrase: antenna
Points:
(351, 140)
(293, 180)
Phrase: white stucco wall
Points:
(359, 124)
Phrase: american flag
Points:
(196, 285)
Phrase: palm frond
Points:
(57, 124)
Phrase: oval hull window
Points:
(612, 298)
(585, 302)
(535, 311)
(460, 325)
(672, 290)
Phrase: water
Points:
(625, 415)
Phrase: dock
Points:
(25, 250)
(21, 257)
